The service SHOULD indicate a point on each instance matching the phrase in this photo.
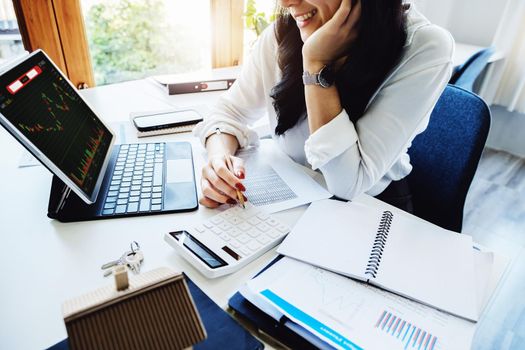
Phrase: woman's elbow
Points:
(346, 190)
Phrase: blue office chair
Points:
(445, 157)
(466, 74)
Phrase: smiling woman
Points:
(346, 86)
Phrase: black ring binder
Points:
(378, 246)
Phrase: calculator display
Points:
(199, 249)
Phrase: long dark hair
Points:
(382, 35)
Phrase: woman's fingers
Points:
(219, 185)
(209, 203)
(211, 192)
(238, 167)
(221, 168)
(354, 15)
(340, 16)
(221, 180)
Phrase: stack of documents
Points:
(331, 310)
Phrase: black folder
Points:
(276, 329)
(223, 331)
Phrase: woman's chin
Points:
(305, 35)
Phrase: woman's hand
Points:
(220, 184)
(331, 41)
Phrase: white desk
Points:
(44, 262)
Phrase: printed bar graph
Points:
(411, 336)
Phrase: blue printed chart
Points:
(409, 334)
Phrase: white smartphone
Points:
(150, 121)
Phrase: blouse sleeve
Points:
(244, 103)
(353, 158)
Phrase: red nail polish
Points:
(245, 199)
(240, 175)
(231, 201)
(240, 186)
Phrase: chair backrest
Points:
(466, 75)
(445, 157)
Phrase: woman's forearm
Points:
(221, 144)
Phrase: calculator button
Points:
(273, 234)
(225, 226)
(216, 220)
(243, 238)
(254, 221)
(235, 220)
(235, 243)
(216, 230)
(253, 245)
(225, 237)
(272, 222)
(244, 251)
(227, 214)
(263, 227)
(244, 226)
(263, 216)
(200, 228)
(263, 239)
(208, 225)
(282, 228)
(234, 232)
(253, 232)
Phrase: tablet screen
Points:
(37, 100)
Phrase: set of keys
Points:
(131, 258)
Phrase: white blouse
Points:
(354, 158)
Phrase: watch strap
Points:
(310, 79)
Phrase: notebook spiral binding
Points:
(376, 252)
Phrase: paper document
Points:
(349, 314)
(275, 182)
(390, 249)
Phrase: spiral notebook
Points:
(390, 249)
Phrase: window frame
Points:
(57, 27)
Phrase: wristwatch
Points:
(325, 78)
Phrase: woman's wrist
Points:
(312, 66)
(221, 144)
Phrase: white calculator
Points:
(229, 240)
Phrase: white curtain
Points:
(504, 83)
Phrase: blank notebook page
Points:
(429, 264)
(330, 236)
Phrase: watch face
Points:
(326, 76)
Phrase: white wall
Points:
(470, 21)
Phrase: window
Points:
(10, 38)
(258, 14)
(118, 40)
(132, 39)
